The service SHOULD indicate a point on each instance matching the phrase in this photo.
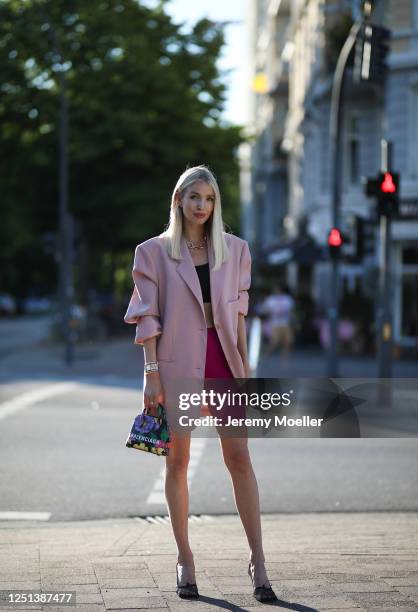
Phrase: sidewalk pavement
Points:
(315, 561)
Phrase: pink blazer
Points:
(167, 302)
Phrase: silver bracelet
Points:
(151, 366)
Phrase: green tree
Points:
(145, 101)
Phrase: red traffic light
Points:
(335, 238)
(388, 184)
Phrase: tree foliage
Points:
(145, 100)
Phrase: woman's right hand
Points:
(153, 391)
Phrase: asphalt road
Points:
(62, 453)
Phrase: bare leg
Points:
(286, 347)
(237, 460)
(284, 357)
(177, 496)
(273, 341)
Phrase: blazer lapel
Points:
(187, 271)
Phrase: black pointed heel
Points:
(187, 591)
(262, 593)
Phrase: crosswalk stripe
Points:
(24, 516)
(157, 495)
(33, 397)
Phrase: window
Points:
(413, 134)
(410, 255)
(353, 153)
(409, 313)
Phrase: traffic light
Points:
(389, 183)
(388, 197)
(372, 47)
(385, 188)
(380, 49)
(335, 243)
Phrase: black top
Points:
(204, 279)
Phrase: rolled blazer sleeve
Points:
(143, 308)
(244, 279)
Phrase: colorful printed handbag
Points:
(150, 433)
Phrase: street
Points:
(62, 451)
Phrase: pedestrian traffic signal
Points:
(335, 242)
(389, 183)
(372, 47)
(388, 198)
(380, 49)
(385, 188)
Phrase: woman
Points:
(189, 305)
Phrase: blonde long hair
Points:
(214, 226)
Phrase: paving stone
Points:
(19, 576)
(88, 607)
(127, 583)
(80, 576)
(394, 599)
(136, 597)
(398, 582)
(411, 591)
(347, 577)
(120, 564)
(199, 606)
(9, 609)
(33, 585)
(390, 609)
(56, 583)
(373, 586)
(85, 588)
(237, 589)
(319, 602)
(88, 598)
(140, 603)
(117, 572)
(137, 609)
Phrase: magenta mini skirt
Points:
(218, 376)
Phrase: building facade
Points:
(287, 169)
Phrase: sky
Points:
(236, 50)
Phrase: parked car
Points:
(36, 305)
(7, 304)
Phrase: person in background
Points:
(279, 308)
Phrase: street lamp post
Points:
(336, 161)
(66, 291)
